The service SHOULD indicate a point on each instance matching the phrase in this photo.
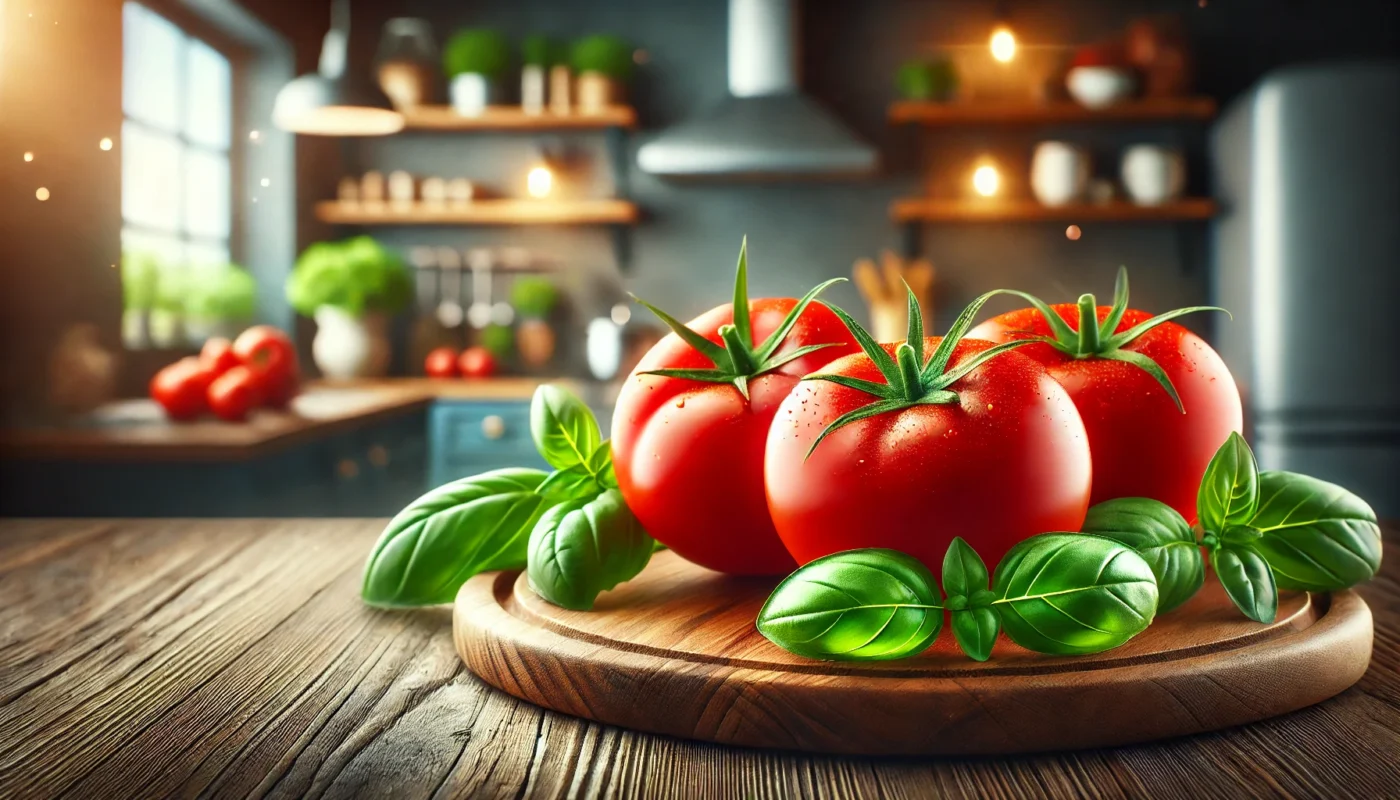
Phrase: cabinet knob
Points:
(378, 456)
(347, 469)
(493, 427)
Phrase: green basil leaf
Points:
(1161, 536)
(856, 605)
(581, 548)
(1240, 534)
(563, 428)
(574, 483)
(1247, 580)
(600, 463)
(964, 572)
(1073, 593)
(1229, 492)
(976, 631)
(1315, 535)
(453, 532)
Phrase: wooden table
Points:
(228, 658)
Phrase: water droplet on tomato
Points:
(680, 403)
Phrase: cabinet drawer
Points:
(464, 430)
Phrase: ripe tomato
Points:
(218, 354)
(181, 388)
(687, 443)
(236, 392)
(272, 357)
(1144, 443)
(441, 363)
(476, 362)
(972, 441)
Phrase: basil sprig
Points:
(1262, 530)
(492, 521)
(1058, 593)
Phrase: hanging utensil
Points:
(449, 310)
(481, 262)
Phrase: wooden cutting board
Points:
(675, 652)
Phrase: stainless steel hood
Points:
(767, 128)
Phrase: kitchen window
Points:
(176, 146)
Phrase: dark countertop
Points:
(147, 658)
(137, 430)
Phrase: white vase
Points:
(348, 346)
(532, 88)
(1153, 174)
(1059, 173)
(470, 94)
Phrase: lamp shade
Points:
(317, 105)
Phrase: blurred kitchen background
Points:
(521, 165)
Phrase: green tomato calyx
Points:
(736, 358)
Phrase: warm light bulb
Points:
(42, 193)
(539, 182)
(105, 143)
(986, 180)
(1003, 44)
(28, 156)
(1073, 233)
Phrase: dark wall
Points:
(801, 233)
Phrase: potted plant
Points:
(538, 54)
(603, 65)
(534, 298)
(931, 79)
(350, 288)
(139, 276)
(219, 301)
(475, 59)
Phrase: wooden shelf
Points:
(514, 118)
(925, 209)
(1156, 109)
(603, 211)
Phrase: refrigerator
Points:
(1306, 255)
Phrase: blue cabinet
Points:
(466, 437)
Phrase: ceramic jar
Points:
(349, 346)
(1059, 173)
(1152, 174)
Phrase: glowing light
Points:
(42, 193)
(1073, 233)
(621, 313)
(105, 143)
(986, 180)
(265, 182)
(1003, 44)
(539, 182)
(28, 156)
(254, 135)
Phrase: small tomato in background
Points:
(441, 362)
(476, 362)
(218, 354)
(235, 393)
(182, 388)
(266, 351)
(1156, 400)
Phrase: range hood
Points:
(767, 127)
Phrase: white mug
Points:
(1059, 172)
(1153, 174)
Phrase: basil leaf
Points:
(600, 463)
(1229, 492)
(1247, 580)
(453, 532)
(583, 547)
(574, 483)
(1315, 535)
(963, 570)
(1073, 593)
(975, 630)
(965, 577)
(870, 604)
(1161, 536)
(563, 428)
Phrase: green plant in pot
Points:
(604, 65)
(533, 299)
(538, 55)
(219, 301)
(350, 288)
(475, 61)
(930, 79)
(140, 272)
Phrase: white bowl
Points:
(1097, 87)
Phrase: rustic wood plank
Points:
(232, 659)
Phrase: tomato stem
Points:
(1088, 325)
(910, 371)
(740, 356)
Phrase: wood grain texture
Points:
(497, 211)
(137, 430)
(514, 118)
(233, 658)
(937, 209)
(675, 651)
(1146, 109)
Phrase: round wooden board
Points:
(674, 651)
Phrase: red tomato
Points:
(235, 393)
(180, 388)
(1007, 459)
(441, 363)
(477, 362)
(272, 357)
(689, 453)
(277, 390)
(219, 356)
(1143, 445)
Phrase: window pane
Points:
(206, 194)
(151, 67)
(208, 91)
(150, 178)
(207, 254)
(167, 252)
